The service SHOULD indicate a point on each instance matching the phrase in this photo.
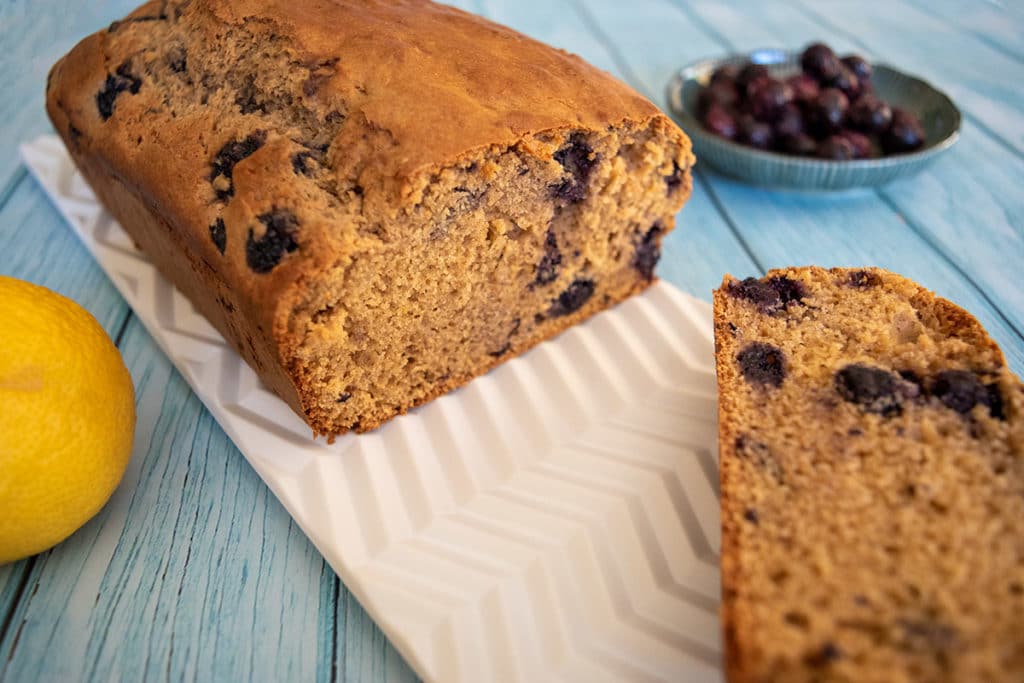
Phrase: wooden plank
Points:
(994, 23)
(37, 35)
(35, 238)
(192, 571)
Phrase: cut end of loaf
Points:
(504, 249)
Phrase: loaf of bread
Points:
(872, 484)
(374, 201)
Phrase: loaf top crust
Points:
(238, 119)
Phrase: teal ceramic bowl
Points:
(939, 117)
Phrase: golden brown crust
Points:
(844, 551)
(316, 136)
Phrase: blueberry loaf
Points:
(373, 200)
(872, 481)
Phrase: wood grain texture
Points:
(195, 572)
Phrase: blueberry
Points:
(573, 298)
(219, 234)
(576, 157)
(836, 148)
(846, 81)
(278, 239)
(904, 134)
(674, 180)
(960, 390)
(859, 66)
(763, 364)
(750, 74)
(819, 61)
(720, 122)
(754, 133)
(122, 80)
(824, 656)
(547, 269)
(870, 114)
(508, 342)
(789, 122)
(223, 164)
(770, 295)
(648, 252)
(768, 98)
(805, 88)
(828, 111)
(722, 93)
(863, 279)
(873, 389)
(343, 397)
(750, 514)
(299, 164)
(861, 143)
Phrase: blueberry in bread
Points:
(872, 481)
(373, 201)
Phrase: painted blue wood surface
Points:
(195, 572)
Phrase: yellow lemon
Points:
(67, 418)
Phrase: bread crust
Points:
(380, 98)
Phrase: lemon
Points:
(67, 418)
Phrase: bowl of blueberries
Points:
(811, 120)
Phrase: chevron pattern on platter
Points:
(555, 520)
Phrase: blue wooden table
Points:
(193, 571)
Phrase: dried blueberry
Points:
(648, 252)
(750, 514)
(278, 239)
(177, 60)
(343, 397)
(122, 80)
(768, 98)
(873, 389)
(674, 180)
(719, 121)
(578, 158)
(790, 121)
(722, 93)
(299, 164)
(770, 295)
(905, 133)
(223, 164)
(547, 269)
(870, 114)
(754, 133)
(762, 363)
(961, 390)
(219, 234)
(859, 66)
(836, 148)
(819, 61)
(863, 279)
(573, 298)
(827, 112)
(750, 75)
